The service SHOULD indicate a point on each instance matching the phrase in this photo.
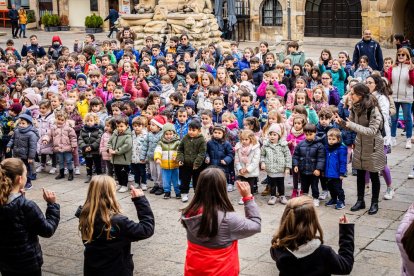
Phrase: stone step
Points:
(331, 41)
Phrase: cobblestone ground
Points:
(376, 252)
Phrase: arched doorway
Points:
(333, 18)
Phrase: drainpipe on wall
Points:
(289, 21)
(58, 8)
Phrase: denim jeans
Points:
(407, 118)
(22, 30)
(170, 177)
(65, 157)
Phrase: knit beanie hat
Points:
(159, 120)
(275, 128)
(54, 88)
(190, 103)
(16, 108)
(168, 127)
(33, 98)
(27, 118)
(82, 76)
(221, 128)
(56, 38)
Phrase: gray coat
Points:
(369, 145)
(231, 227)
(24, 142)
(149, 144)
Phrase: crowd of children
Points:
(164, 113)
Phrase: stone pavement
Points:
(376, 252)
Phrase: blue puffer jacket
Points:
(217, 117)
(24, 142)
(309, 156)
(251, 112)
(181, 129)
(336, 159)
(348, 136)
(244, 64)
(218, 150)
(149, 145)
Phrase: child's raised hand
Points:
(343, 220)
(207, 160)
(49, 196)
(223, 162)
(257, 104)
(244, 188)
(136, 192)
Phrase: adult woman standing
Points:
(213, 227)
(22, 222)
(401, 77)
(377, 87)
(366, 120)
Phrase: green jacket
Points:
(192, 151)
(122, 144)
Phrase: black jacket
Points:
(113, 257)
(258, 76)
(309, 156)
(13, 15)
(90, 137)
(323, 261)
(21, 223)
(37, 50)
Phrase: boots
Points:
(360, 204)
(266, 191)
(61, 174)
(88, 178)
(70, 176)
(373, 209)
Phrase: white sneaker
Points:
(130, 177)
(184, 197)
(49, 162)
(272, 200)
(393, 141)
(52, 170)
(323, 195)
(389, 193)
(144, 187)
(316, 202)
(40, 169)
(123, 189)
(283, 200)
(230, 188)
(411, 174)
(77, 171)
(408, 144)
(241, 202)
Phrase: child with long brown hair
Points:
(106, 233)
(22, 222)
(297, 246)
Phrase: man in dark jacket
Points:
(14, 20)
(34, 48)
(175, 79)
(370, 48)
(112, 17)
(185, 46)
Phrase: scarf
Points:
(244, 151)
(295, 132)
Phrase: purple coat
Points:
(407, 268)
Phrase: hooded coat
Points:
(166, 150)
(45, 124)
(24, 142)
(218, 150)
(122, 145)
(309, 156)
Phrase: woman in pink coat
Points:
(405, 242)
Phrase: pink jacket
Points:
(63, 138)
(280, 89)
(407, 268)
(70, 84)
(293, 141)
(44, 125)
(137, 91)
(290, 101)
(103, 146)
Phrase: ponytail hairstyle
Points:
(10, 169)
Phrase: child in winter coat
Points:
(103, 145)
(363, 71)
(335, 168)
(147, 152)
(306, 253)
(25, 222)
(44, 125)
(220, 152)
(181, 124)
(120, 148)
(165, 155)
(139, 135)
(31, 100)
(191, 155)
(309, 161)
(89, 140)
(75, 121)
(63, 139)
(276, 161)
(24, 144)
(296, 136)
(247, 158)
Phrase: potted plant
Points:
(45, 21)
(31, 19)
(54, 23)
(64, 23)
(93, 24)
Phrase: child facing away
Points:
(309, 161)
(24, 144)
(247, 158)
(276, 161)
(335, 168)
(191, 154)
(103, 149)
(15, 208)
(107, 238)
(298, 249)
(139, 134)
(63, 139)
(165, 155)
(120, 148)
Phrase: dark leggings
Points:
(121, 172)
(252, 182)
(43, 158)
(376, 185)
(90, 161)
(276, 183)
